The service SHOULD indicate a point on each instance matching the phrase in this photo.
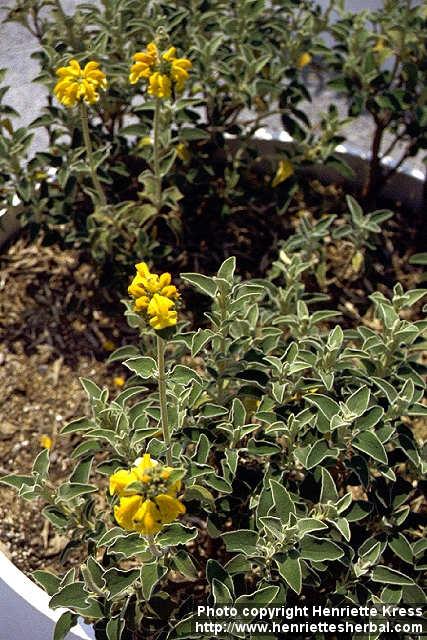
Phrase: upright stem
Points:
(156, 151)
(162, 394)
(153, 547)
(89, 152)
(374, 177)
(68, 24)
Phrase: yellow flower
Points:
(183, 152)
(304, 59)
(154, 295)
(144, 63)
(179, 72)
(76, 84)
(284, 171)
(120, 480)
(146, 141)
(144, 465)
(108, 345)
(147, 516)
(119, 381)
(380, 45)
(161, 312)
(159, 85)
(146, 284)
(152, 505)
(45, 441)
(162, 71)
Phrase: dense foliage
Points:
(267, 451)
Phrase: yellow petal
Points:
(125, 511)
(284, 171)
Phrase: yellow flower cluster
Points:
(162, 71)
(147, 497)
(76, 84)
(154, 296)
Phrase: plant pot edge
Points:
(407, 186)
(27, 613)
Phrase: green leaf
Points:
(358, 402)
(69, 491)
(118, 581)
(282, 501)
(370, 419)
(193, 133)
(261, 597)
(115, 627)
(219, 484)
(184, 375)
(41, 463)
(290, 570)
(17, 481)
(329, 492)
(244, 540)
(390, 576)
(175, 534)
(73, 596)
(151, 573)
(227, 269)
(203, 283)
(48, 581)
(56, 517)
(369, 443)
(210, 410)
(343, 527)
(92, 390)
(221, 593)
(64, 624)
(143, 366)
(198, 492)
(183, 563)
(79, 424)
(81, 471)
(327, 406)
(129, 351)
(391, 594)
(418, 258)
(401, 547)
(200, 340)
(306, 525)
(262, 447)
(319, 549)
(318, 452)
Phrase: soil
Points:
(52, 331)
(59, 320)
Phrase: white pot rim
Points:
(24, 608)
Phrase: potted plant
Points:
(262, 445)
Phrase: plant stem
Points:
(153, 547)
(156, 155)
(161, 344)
(68, 24)
(89, 152)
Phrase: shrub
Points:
(293, 441)
(379, 64)
(245, 70)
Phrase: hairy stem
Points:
(68, 24)
(89, 153)
(161, 344)
(153, 547)
(156, 154)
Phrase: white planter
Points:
(407, 186)
(24, 609)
